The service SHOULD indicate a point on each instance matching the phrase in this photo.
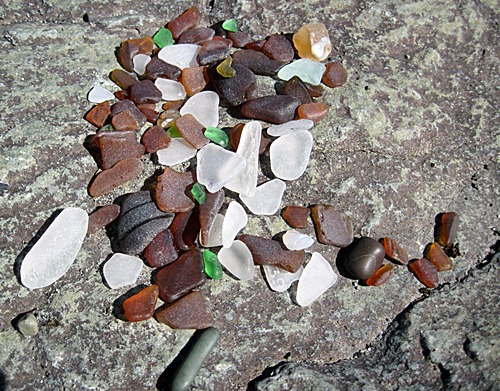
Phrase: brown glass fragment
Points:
(194, 79)
(122, 172)
(425, 272)
(181, 276)
(232, 90)
(185, 229)
(434, 253)
(124, 121)
(315, 91)
(161, 251)
(279, 48)
(98, 115)
(173, 104)
(190, 312)
(188, 20)
(269, 252)
(167, 118)
(208, 211)
(117, 145)
(191, 130)
(144, 91)
(226, 41)
(276, 109)
(212, 51)
(135, 118)
(445, 229)
(257, 62)
(239, 38)
(121, 95)
(101, 217)
(132, 47)
(159, 68)
(151, 114)
(335, 75)
(296, 216)
(256, 45)
(155, 138)
(123, 79)
(141, 306)
(333, 227)
(393, 251)
(197, 36)
(296, 87)
(235, 136)
(313, 111)
(381, 276)
(171, 191)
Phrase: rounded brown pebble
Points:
(276, 109)
(363, 258)
(335, 75)
(313, 111)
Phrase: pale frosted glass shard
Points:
(181, 55)
(294, 240)
(215, 233)
(204, 106)
(267, 198)
(317, 277)
(280, 280)
(217, 166)
(122, 270)
(307, 70)
(177, 151)
(140, 62)
(170, 89)
(237, 260)
(289, 127)
(290, 154)
(53, 254)
(248, 148)
(99, 94)
(234, 221)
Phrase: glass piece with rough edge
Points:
(214, 236)
(445, 228)
(56, 250)
(230, 25)
(155, 138)
(144, 91)
(186, 21)
(296, 87)
(235, 220)
(161, 251)
(185, 229)
(280, 280)
(333, 227)
(224, 68)
(117, 145)
(197, 36)
(296, 216)
(163, 37)
(425, 272)
(141, 306)
(266, 199)
(159, 68)
(102, 216)
(238, 260)
(135, 119)
(194, 79)
(317, 277)
(122, 78)
(182, 56)
(289, 127)
(308, 71)
(122, 172)
(278, 48)
(381, 276)
(294, 240)
(204, 106)
(171, 191)
(393, 251)
(208, 211)
(99, 94)
(170, 89)
(434, 253)
(213, 51)
(233, 90)
(191, 131)
(178, 151)
(335, 75)
(99, 114)
(363, 258)
(313, 111)
(140, 62)
(276, 109)
(213, 267)
(121, 270)
(257, 62)
(198, 192)
(290, 154)
(312, 42)
(217, 135)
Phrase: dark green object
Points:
(163, 37)
(230, 25)
(217, 135)
(213, 268)
(198, 192)
(173, 132)
(192, 363)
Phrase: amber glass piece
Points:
(235, 136)
(312, 42)
(124, 121)
(141, 306)
(123, 79)
(445, 229)
(381, 276)
(167, 118)
(172, 189)
(208, 211)
(98, 115)
(102, 217)
(159, 68)
(191, 131)
(197, 36)
(122, 172)
(121, 95)
(181, 276)
(333, 227)
(335, 75)
(434, 253)
(313, 111)
(239, 38)
(276, 109)
(256, 45)
(269, 252)
(188, 20)
(130, 48)
(296, 216)
(191, 312)
(425, 272)
(134, 117)
(257, 62)
(117, 145)
(144, 91)
(226, 41)
(213, 51)
(296, 87)
(151, 114)
(173, 104)
(232, 90)
(161, 251)
(185, 229)
(155, 138)
(279, 48)
(194, 79)
(393, 251)
(315, 91)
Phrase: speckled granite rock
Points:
(409, 135)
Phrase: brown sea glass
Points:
(122, 172)
(445, 229)
(173, 104)
(125, 121)
(135, 119)
(191, 130)
(208, 211)
(434, 253)
(335, 75)
(182, 276)
(161, 251)
(191, 312)
(159, 68)
(239, 38)
(155, 138)
(296, 216)
(393, 251)
(257, 62)
(188, 20)
(167, 118)
(144, 91)
(225, 41)
(269, 252)
(141, 306)
(381, 276)
(171, 191)
(297, 88)
(425, 272)
(232, 90)
(117, 145)
(99, 114)
(185, 229)
(256, 45)
(101, 217)
(212, 51)
(197, 36)
(313, 111)
(333, 227)
(151, 114)
(128, 49)
(278, 48)
(194, 79)
(123, 79)
(276, 109)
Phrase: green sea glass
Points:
(198, 192)
(230, 25)
(173, 132)
(213, 267)
(217, 135)
(163, 37)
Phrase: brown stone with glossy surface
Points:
(425, 272)
(128, 49)
(197, 36)
(363, 257)
(276, 109)
(194, 79)
(185, 229)
(434, 253)
(122, 172)
(102, 216)
(269, 252)
(297, 88)
(191, 130)
(279, 48)
(296, 216)
(117, 145)
(333, 227)
(212, 51)
(381, 276)
(208, 211)
(313, 111)
(155, 138)
(188, 20)
(171, 191)
(335, 75)
(158, 68)
(161, 251)
(257, 62)
(99, 114)
(191, 312)
(141, 306)
(122, 78)
(446, 227)
(393, 251)
(182, 276)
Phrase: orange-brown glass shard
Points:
(130, 48)
(185, 229)
(98, 115)
(191, 312)
(123, 79)
(141, 306)
(393, 251)
(425, 272)
(155, 138)
(445, 230)
(335, 75)
(381, 276)
(296, 216)
(194, 79)
(171, 191)
(191, 131)
(434, 253)
(117, 145)
(102, 217)
(188, 20)
(122, 172)
(313, 111)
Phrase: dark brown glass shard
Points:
(276, 109)
(333, 227)
(335, 75)
(445, 229)
(381, 276)
(161, 251)
(188, 20)
(134, 120)
(232, 90)
(239, 38)
(130, 48)
(155, 138)
(297, 88)
(296, 216)
(197, 36)
(257, 62)
(393, 251)
(434, 253)
(117, 145)
(144, 91)
(191, 130)
(123, 79)
(99, 114)
(213, 51)
(141, 306)
(185, 229)
(171, 191)
(279, 48)
(425, 272)
(122, 172)
(159, 68)
(256, 45)
(191, 312)
(102, 216)
(208, 211)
